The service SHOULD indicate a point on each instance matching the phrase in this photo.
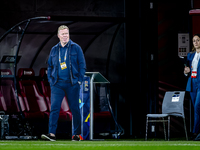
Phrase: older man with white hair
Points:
(66, 69)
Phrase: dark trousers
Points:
(195, 96)
(58, 91)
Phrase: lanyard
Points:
(65, 57)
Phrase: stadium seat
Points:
(65, 113)
(173, 105)
(105, 115)
(7, 94)
(36, 106)
(2, 103)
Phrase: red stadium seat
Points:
(2, 103)
(105, 115)
(36, 106)
(7, 94)
(26, 73)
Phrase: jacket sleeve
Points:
(189, 63)
(49, 68)
(81, 64)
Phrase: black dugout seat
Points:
(8, 100)
(65, 113)
(35, 103)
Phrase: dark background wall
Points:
(14, 11)
(173, 18)
(158, 23)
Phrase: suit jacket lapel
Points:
(198, 64)
(192, 57)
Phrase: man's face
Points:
(63, 35)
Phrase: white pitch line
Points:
(99, 145)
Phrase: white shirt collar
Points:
(195, 61)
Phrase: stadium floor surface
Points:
(98, 145)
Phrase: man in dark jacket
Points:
(66, 69)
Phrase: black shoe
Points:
(193, 136)
(77, 138)
(48, 137)
(197, 138)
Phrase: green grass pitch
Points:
(100, 145)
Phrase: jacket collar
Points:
(71, 43)
(192, 56)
